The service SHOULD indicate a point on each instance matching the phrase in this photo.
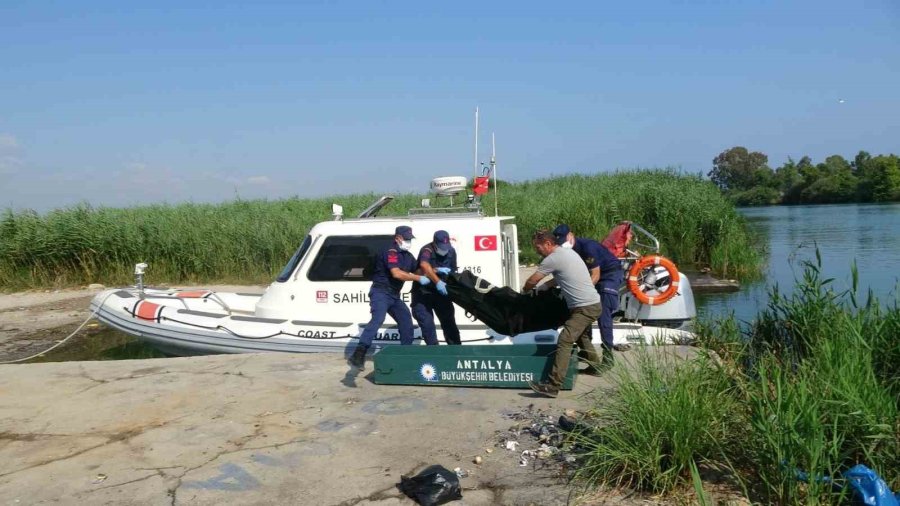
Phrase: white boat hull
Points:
(201, 322)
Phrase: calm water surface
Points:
(866, 233)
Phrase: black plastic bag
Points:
(505, 310)
(434, 485)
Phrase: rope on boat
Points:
(279, 333)
(60, 343)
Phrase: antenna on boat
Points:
(494, 173)
(476, 141)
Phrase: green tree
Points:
(865, 171)
(886, 184)
(756, 196)
(831, 181)
(795, 177)
(787, 177)
(739, 169)
(861, 163)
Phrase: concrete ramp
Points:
(251, 429)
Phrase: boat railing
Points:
(640, 235)
(467, 209)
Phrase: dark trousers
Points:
(382, 303)
(425, 306)
(576, 330)
(609, 299)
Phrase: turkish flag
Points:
(485, 243)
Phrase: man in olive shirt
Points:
(583, 302)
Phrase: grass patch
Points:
(667, 415)
(250, 241)
(810, 388)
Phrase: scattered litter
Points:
(100, 478)
(477, 460)
(434, 485)
(460, 472)
(546, 451)
(489, 450)
(523, 459)
(544, 437)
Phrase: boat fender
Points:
(652, 261)
(146, 310)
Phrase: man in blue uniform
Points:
(393, 267)
(607, 276)
(437, 257)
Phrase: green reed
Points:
(693, 222)
(810, 386)
(249, 241)
(666, 416)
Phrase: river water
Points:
(868, 234)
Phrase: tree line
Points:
(746, 178)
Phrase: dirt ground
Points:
(33, 321)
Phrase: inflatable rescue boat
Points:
(319, 302)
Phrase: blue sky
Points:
(122, 103)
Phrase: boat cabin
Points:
(329, 276)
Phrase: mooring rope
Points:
(70, 336)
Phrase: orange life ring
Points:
(634, 279)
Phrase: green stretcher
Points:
(499, 366)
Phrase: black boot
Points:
(358, 359)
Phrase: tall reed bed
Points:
(689, 216)
(787, 404)
(249, 241)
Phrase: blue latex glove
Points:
(443, 270)
(441, 287)
(423, 280)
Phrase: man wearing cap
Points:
(606, 275)
(393, 267)
(582, 300)
(436, 258)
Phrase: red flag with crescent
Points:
(485, 243)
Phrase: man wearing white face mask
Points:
(606, 275)
(393, 267)
(436, 258)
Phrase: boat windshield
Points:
(294, 261)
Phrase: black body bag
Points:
(505, 310)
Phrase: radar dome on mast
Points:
(448, 185)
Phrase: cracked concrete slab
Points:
(250, 429)
(254, 429)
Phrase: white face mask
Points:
(405, 245)
(566, 245)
